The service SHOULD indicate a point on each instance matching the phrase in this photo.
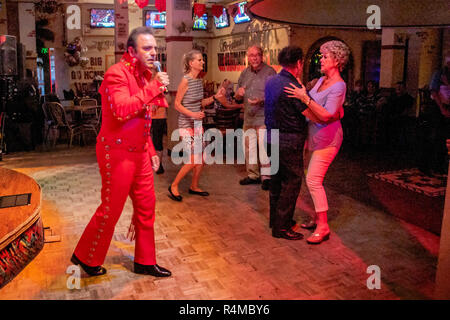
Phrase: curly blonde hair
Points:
(338, 50)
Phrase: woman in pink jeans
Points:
(324, 140)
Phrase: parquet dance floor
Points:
(220, 247)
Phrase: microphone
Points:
(157, 65)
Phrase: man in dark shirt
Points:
(287, 115)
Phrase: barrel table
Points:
(21, 229)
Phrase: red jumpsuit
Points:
(124, 151)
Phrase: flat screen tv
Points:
(222, 21)
(200, 23)
(102, 18)
(155, 19)
(242, 17)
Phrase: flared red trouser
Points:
(123, 174)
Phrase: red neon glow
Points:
(56, 82)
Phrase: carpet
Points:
(414, 180)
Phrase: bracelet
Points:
(309, 102)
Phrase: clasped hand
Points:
(241, 91)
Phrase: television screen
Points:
(222, 21)
(102, 18)
(200, 23)
(155, 19)
(242, 17)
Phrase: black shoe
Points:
(153, 270)
(160, 169)
(248, 180)
(92, 271)
(311, 224)
(271, 223)
(199, 193)
(174, 197)
(265, 184)
(287, 234)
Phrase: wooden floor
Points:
(220, 247)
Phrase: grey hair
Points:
(339, 51)
(188, 57)
(258, 48)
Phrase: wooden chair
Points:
(208, 89)
(90, 109)
(88, 102)
(48, 122)
(59, 117)
(226, 119)
(91, 116)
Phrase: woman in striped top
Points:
(189, 102)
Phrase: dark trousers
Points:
(157, 131)
(286, 183)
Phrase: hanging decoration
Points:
(199, 9)
(160, 5)
(217, 10)
(233, 9)
(141, 3)
(73, 52)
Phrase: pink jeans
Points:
(317, 163)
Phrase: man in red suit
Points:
(126, 156)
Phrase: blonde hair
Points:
(338, 50)
(188, 57)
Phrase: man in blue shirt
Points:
(288, 115)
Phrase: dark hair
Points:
(289, 56)
(132, 38)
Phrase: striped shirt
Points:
(192, 101)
